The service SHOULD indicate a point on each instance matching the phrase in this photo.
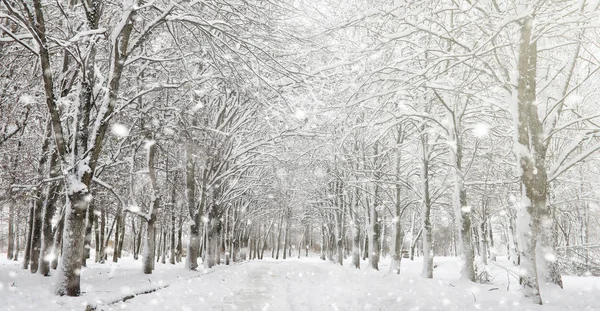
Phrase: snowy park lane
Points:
(312, 284)
(305, 284)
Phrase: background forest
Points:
(216, 131)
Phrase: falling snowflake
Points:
(550, 257)
(120, 130)
(481, 130)
(300, 114)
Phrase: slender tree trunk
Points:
(117, 237)
(17, 238)
(36, 234)
(356, 243)
(48, 253)
(279, 236)
(426, 209)
(102, 234)
(29, 236)
(57, 239)
(323, 241)
(285, 238)
(88, 235)
(164, 245)
(173, 232)
(11, 233)
(179, 240)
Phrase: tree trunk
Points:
(36, 235)
(179, 241)
(88, 235)
(150, 237)
(149, 246)
(285, 238)
(102, 234)
(356, 243)
(427, 271)
(279, 236)
(193, 248)
(17, 238)
(29, 236)
(74, 231)
(11, 233)
(374, 236)
(323, 242)
(173, 245)
(57, 243)
(534, 221)
(48, 252)
(117, 237)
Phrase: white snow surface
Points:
(296, 284)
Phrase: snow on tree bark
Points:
(427, 234)
(534, 222)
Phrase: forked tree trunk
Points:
(534, 219)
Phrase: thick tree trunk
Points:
(534, 226)
(74, 231)
(149, 246)
(193, 247)
(374, 236)
(150, 237)
(212, 243)
(323, 242)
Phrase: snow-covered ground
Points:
(296, 284)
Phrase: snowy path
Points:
(312, 284)
(290, 285)
(259, 292)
